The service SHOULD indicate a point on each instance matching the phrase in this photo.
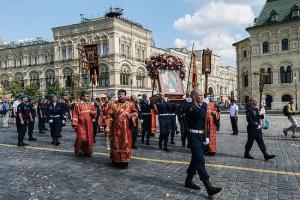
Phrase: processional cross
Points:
(261, 75)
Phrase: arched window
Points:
(68, 77)
(70, 53)
(285, 44)
(125, 76)
(265, 47)
(35, 79)
(64, 54)
(20, 77)
(50, 75)
(4, 82)
(122, 50)
(295, 11)
(269, 77)
(138, 55)
(274, 17)
(289, 74)
(140, 78)
(286, 98)
(282, 75)
(269, 100)
(104, 77)
(245, 79)
(127, 52)
(143, 55)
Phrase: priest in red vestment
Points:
(213, 115)
(121, 117)
(82, 120)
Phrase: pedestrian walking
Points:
(120, 115)
(82, 121)
(5, 113)
(254, 130)
(196, 138)
(290, 113)
(164, 108)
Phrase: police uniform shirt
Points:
(23, 108)
(55, 109)
(32, 110)
(252, 115)
(197, 117)
(163, 107)
(145, 107)
(184, 108)
(41, 109)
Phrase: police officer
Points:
(145, 108)
(197, 139)
(41, 113)
(254, 130)
(183, 117)
(173, 122)
(55, 119)
(32, 117)
(164, 109)
(22, 119)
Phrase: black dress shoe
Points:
(134, 147)
(248, 156)
(172, 142)
(32, 139)
(42, 132)
(190, 184)
(147, 143)
(166, 149)
(24, 144)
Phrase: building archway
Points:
(210, 90)
(286, 98)
(268, 101)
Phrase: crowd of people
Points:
(123, 120)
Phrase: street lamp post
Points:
(295, 80)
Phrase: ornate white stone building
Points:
(274, 48)
(123, 46)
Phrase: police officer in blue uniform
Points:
(95, 121)
(145, 108)
(173, 112)
(197, 139)
(22, 119)
(164, 109)
(41, 113)
(254, 130)
(183, 117)
(55, 119)
(32, 117)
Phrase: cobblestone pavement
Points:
(44, 171)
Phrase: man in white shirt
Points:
(15, 106)
(234, 116)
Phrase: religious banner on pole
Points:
(194, 71)
(89, 61)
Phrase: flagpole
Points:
(191, 63)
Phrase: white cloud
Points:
(215, 24)
(221, 44)
(244, 2)
(179, 43)
(215, 17)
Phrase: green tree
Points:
(16, 87)
(56, 89)
(33, 90)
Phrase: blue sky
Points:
(175, 23)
